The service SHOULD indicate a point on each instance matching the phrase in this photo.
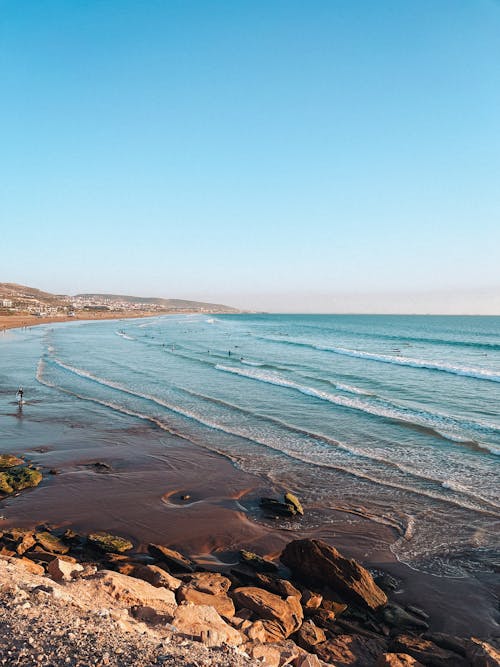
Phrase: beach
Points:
(151, 470)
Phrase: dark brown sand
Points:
(140, 497)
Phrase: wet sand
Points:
(24, 320)
(139, 497)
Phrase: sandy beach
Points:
(26, 320)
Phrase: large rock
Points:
(281, 587)
(177, 561)
(264, 632)
(426, 651)
(397, 660)
(197, 620)
(397, 617)
(221, 603)
(130, 592)
(287, 613)
(155, 576)
(309, 635)
(17, 479)
(256, 562)
(109, 543)
(317, 561)
(51, 543)
(61, 570)
(208, 582)
(482, 654)
(351, 650)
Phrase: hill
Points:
(168, 304)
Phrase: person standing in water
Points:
(20, 394)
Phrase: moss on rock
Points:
(17, 479)
(9, 461)
(109, 543)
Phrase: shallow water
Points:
(394, 418)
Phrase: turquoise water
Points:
(392, 417)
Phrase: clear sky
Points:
(274, 154)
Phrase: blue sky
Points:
(266, 154)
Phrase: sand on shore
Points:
(26, 320)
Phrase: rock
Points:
(317, 561)
(416, 611)
(482, 654)
(149, 615)
(324, 618)
(267, 655)
(277, 507)
(397, 660)
(265, 632)
(155, 576)
(192, 620)
(132, 592)
(310, 661)
(281, 587)
(39, 554)
(257, 562)
(292, 500)
(309, 635)
(109, 543)
(221, 603)
(448, 642)
(100, 466)
(310, 601)
(172, 558)
(51, 543)
(208, 582)
(337, 607)
(397, 617)
(61, 570)
(287, 613)
(426, 651)
(17, 479)
(351, 650)
(32, 567)
(386, 583)
(9, 461)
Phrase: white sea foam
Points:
(382, 409)
(251, 363)
(467, 371)
(124, 335)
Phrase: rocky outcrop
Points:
(286, 613)
(316, 561)
(309, 635)
(397, 660)
(426, 651)
(51, 543)
(351, 651)
(208, 582)
(256, 562)
(177, 561)
(482, 654)
(221, 603)
(155, 576)
(134, 592)
(197, 621)
(17, 479)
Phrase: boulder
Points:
(51, 543)
(396, 617)
(268, 606)
(351, 650)
(309, 635)
(268, 655)
(257, 562)
(324, 618)
(109, 543)
(130, 592)
(61, 570)
(221, 603)
(448, 642)
(17, 479)
(208, 582)
(276, 507)
(310, 660)
(292, 500)
(39, 554)
(172, 558)
(317, 561)
(265, 632)
(281, 587)
(386, 582)
(426, 651)
(397, 660)
(193, 620)
(482, 654)
(310, 601)
(155, 576)
(9, 461)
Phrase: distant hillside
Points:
(24, 297)
(168, 304)
(24, 294)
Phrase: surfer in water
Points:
(19, 395)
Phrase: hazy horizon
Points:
(272, 156)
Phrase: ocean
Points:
(394, 419)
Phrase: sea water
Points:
(395, 418)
